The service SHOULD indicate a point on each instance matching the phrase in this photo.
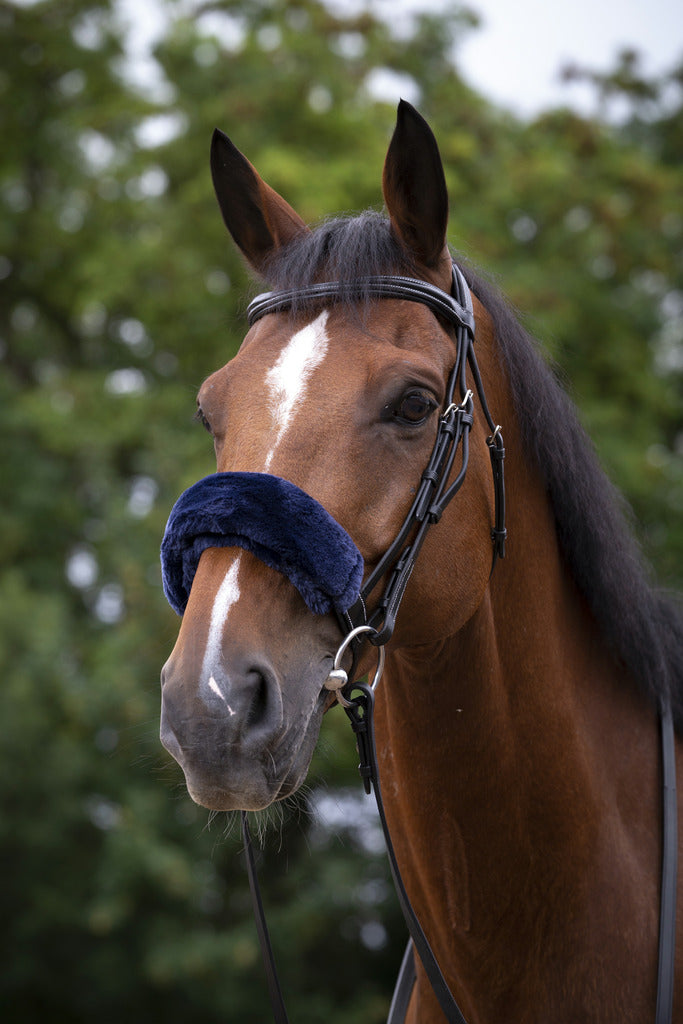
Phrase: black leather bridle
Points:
(396, 565)
(457, 417)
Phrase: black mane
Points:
(344, 250)
(643, 627)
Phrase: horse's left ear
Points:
(259, 220)
(414, 187)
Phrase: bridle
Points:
(395, 566)
(433, 495)
(455, 422)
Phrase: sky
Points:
(515, 57)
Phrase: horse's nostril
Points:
(257, 711)
(215, 726)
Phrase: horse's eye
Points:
(414, 408)
(201, 418)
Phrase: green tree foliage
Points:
(120, 292)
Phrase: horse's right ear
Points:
(259, 220)
(415, 191)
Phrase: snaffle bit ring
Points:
(338, 678)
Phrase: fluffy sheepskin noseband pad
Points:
(277, 522)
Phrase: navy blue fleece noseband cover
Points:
(277, 522)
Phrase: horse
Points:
(517, 717)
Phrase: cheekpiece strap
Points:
(379, 287)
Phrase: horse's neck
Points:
(509, 782)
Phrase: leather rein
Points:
(396, 565)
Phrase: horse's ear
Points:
(259, 220)
(415, 187)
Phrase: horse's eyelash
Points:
(201, 418)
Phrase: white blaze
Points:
(288, 379)
(286, 383)
(228, 593)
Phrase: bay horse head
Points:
(322, 425)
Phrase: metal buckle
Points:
(458, 406)
(338, 678)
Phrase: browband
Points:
(380, 287)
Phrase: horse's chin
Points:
(218, 798)
(254, 796)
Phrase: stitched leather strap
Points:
(380, 287)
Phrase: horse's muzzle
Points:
(231, 735)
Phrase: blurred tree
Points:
(120, 292)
